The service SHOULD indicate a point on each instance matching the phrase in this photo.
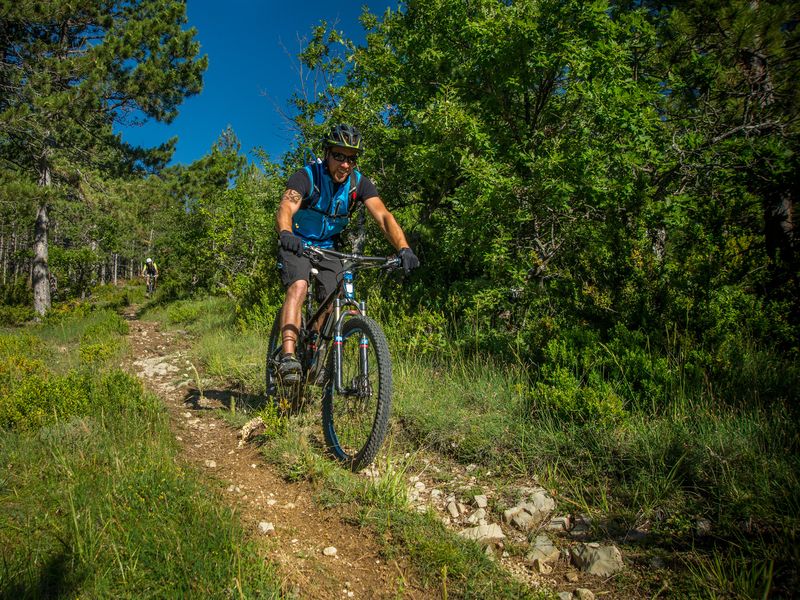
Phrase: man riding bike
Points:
(315, 209)
(150, 273)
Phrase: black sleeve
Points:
(300, 183)
(366, 189)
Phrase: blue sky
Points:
(251, 48)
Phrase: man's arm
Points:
(386, 221)
(290, 204)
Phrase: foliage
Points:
(601, 197)
(15, 315)
(70, 71)
(34, 392)
(552, 163)
(93, 499)
(691, 451)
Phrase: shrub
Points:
(259, 314)
(38, 398)
(20, 345)
(422, 333)
(15, 315)
(183, 313)
(119, 390)
(563, 396)
(95, 355)
(16, 292)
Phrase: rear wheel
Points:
(355, 420)
(287, 396)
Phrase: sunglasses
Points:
(348, 158)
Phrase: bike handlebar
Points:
(388, 262)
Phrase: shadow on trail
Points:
(56, 578)
(216, 399)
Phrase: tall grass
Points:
(636, 431)
(93, 501)
(697, 457)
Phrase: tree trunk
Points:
(16, 262)
(4, 256)
(41, 274)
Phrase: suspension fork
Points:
(339, 315)
(363, 345)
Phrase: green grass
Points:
(210, 314)
(737, 466)
(93, 499)
(99, 507)
(634, 438)
(467, 410)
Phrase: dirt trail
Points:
(302, 529)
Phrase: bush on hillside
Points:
(15, 315)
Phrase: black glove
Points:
(291, 243)
(408, 259)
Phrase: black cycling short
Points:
(295, 268)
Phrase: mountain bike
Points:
(151, 284)
(347, 359)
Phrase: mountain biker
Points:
(315, 208)
(150, 269)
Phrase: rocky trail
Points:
(321, 555)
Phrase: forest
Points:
(601, 195)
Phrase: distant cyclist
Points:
(150, 273)
(315, 208)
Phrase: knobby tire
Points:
(356, 422)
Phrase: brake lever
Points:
(312, 252)
(394, 263)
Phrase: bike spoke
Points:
(355, 409)
(355, 417)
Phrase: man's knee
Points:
(296, 291)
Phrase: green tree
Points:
(69, 71)
(725, 189)
(606, 161)
(192, 231)
(514, 139)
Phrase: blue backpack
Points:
(324, 213)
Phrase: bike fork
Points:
(338, 342)
(363, 346)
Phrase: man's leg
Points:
(290, 315)
(294, 275)
(329, 272)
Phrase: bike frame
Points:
(339, 299)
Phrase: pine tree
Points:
(69, 72)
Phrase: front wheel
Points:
(355, 419)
